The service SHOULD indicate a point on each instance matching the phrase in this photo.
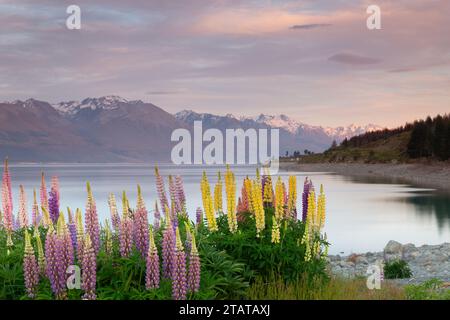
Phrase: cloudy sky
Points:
(314, 60)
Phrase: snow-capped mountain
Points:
(104, 103)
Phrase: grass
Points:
(334, 289)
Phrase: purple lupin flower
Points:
(168, 248)
(199, 216)
(174, 196)
(53, 205)
(140, 225)
(91, 220)
(307, 187)
(152, 275)
(157, 217)
(54, 259)
(72, 229)
(126, 230)
(180, 194)
(193, 280)
(55, 186)
(161, 189)
(179, 281)
(88, 270)
(30, 268)
(7, 203)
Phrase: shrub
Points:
(397, 269)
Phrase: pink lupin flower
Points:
(23, 215)
(54, 260)
(174, 196)
(115, 218)
(126, 230)
(152, 276)
(179, 282)
(193, 280)
(157, 217)
(88, 270)
(199, 216)
(161, 189)
(43, 193)
(168, 248)
(181, 195)
(140, 225)
(30, 268)
(91, 220)
(8, 218)
(35, 211)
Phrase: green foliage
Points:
(259, 255)
(430, 290)
(397, 269)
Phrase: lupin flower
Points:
(46, 221)
(23, 215)
(230, 189)
(247, 190)
(152, 276)
(321, 208)
(108, 238)
(188, 242)
(244, 199)
(30, 268)
(275, 231)
(55, 186)
(279, 200)
(193, 280)
(65, 247)
(140, 225)
(40, 254)
(54, 261)
(199, 216)
(168, 248)
(161, 189)
(115, 218)
(89, 270)
(175, 203)
(258, 207)
(72, 228)
(181, 195)
(43, 192)
(35, 211)
(126, 229)
(91, 220)
(7, 203)
(268, 191)
(292, 200)
(208, 203)
(218, 206)
(307, 187)
(157, 217)
(80, 235)
(179, 281)
(53, 206)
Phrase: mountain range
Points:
(113, 129)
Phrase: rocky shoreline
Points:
(427, 175)
(426, 262)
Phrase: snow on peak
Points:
(279, 121)
(104, 103)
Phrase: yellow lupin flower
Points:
(268, 191)
(321, 209)
(258, 206)
(292, 200)
(230, 189)
(275, 231)
(218, 207)
(279, 199)
(46, 217)
(208, 203)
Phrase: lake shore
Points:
(435, 176)
(425, 262)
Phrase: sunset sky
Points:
(315, 61)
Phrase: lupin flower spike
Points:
(89, 270)
(43, 192)
(126, 229)
(230, 189)
(140, 225)
(179, 281)
(168, 248)
(161, 189)
(152, 276)
(8, 217)
(194, 268)
(23, 215)
(91, 220)
(30, 268)
(115, 218)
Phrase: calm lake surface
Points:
(362, 214)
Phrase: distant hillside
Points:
(425, 139)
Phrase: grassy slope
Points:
(392, 149)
